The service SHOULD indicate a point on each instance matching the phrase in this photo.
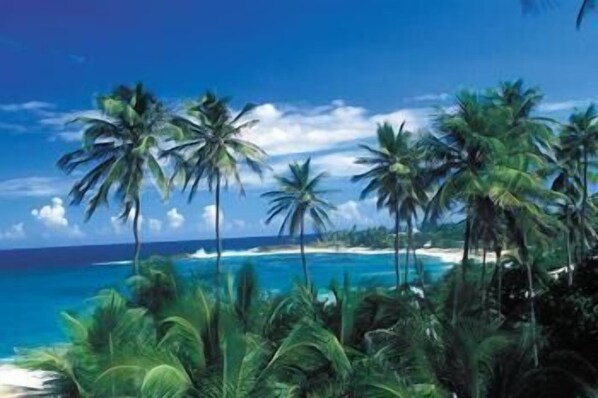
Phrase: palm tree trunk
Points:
(217, 227)
(397, 260)
(464, 262)
(137, 248)
(466, 239)
(532, 310)
(498, 252)
(408, 249)
(303, 259)
(584, 204)
(483, 277)
(569, 265)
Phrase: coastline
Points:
(18, 382)
(450, 255)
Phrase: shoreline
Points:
(450, 255)
(18, 382)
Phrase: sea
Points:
(36, 285)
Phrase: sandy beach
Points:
(451, 255)
(16, 382)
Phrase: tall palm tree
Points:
(529, 146)
(567, 208)
(300, 196)
(579, 144)
(390, 166)
(519, 192)
(120, 148)
(460, 152)
(213, 149)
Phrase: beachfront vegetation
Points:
(174, 336)
(510, 182)
(300, 196)
(396, 181)
(210, 150)
(121, 145)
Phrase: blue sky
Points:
(325, 72)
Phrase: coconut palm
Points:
(519, 194)
(120, 149)
(300, 196)
(579, 145)
(463, 148)
(389, 177)
(413, 201)
(213, 150)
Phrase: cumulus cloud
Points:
(155, 225)
(209, 216)
(16, 231)
(52, 215)
(175, 219)
(285, 130)
(341, 164)
(359, 213)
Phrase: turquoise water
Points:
(34, 295)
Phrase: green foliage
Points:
(363, 343)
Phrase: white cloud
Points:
(33, 187)
(348, 211)
(568, 105)
(16, 231)
(341, 164)
(155, 225)
(430, 97)
(26, 106)
(60, 119)
(52, 215)
(175, 219)
(289, 130)
(209, 216)
(360, 213)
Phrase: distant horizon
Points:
(323, 75)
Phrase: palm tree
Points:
(299, 197)
(212, 149)
(414, 199)
(579, 144)
(460, 152)
(120, 147)
(390, 167)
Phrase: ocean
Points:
(36, 285)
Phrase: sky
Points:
(324, 73)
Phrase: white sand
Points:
(17, 382)
(445, 255)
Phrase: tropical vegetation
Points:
(515, 318)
